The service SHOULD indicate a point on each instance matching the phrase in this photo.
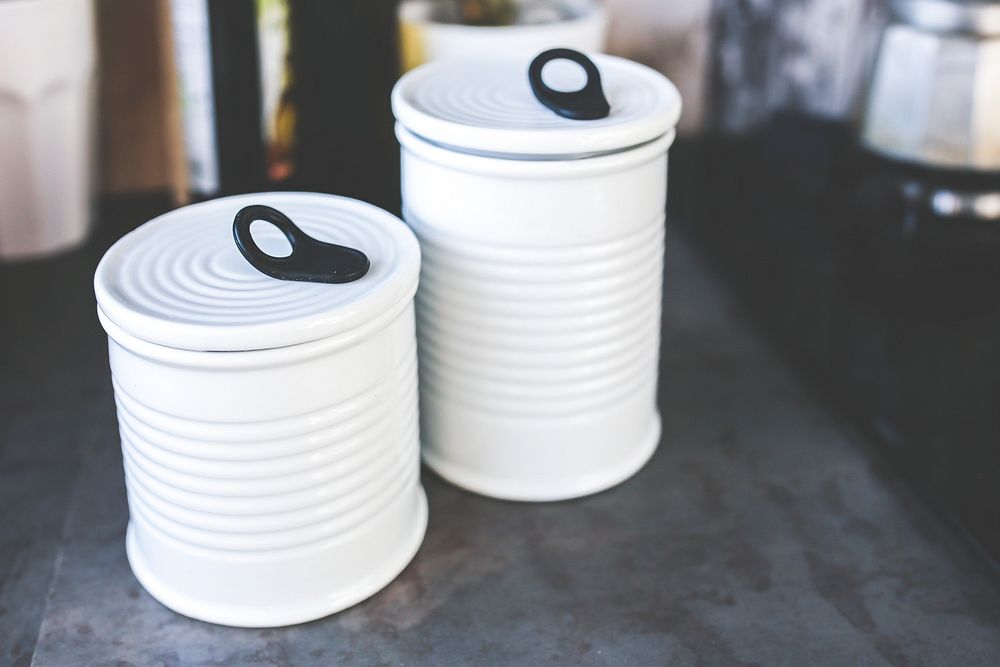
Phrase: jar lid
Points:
(181, 281)
(489, 106)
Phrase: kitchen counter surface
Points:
(761, 532)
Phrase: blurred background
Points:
(838, 165)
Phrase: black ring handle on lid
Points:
(310, 260)
(588, 103)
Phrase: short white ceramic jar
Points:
(542, 235)
(268, 427)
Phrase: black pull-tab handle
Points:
(311, 260)
(588, 103)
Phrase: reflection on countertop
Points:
(878, 279)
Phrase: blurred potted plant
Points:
(434, 29)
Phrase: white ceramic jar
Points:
(539, 310)
(268, 427)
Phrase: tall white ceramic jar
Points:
(542, 235)
(268, 426)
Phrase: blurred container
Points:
(46, 125)
(935, 95)
(432, 29)
(539, 307)
(216, 49)
(269, 427)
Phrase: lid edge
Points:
(195, 337)
(536, 142)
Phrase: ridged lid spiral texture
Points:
(180, 281)
(486, 105)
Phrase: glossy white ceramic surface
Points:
(47, 62)
(274, 485)
(180, 281)
(485, 105)
(539, 309)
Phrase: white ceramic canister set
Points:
(267, 395)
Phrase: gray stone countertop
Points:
(761, 532)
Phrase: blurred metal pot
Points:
(935, 94)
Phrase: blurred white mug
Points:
(47, 93)
(427, 34)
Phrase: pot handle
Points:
(588, 103)
(311, 260)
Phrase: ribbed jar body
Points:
(538, 315)
(274, 486)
